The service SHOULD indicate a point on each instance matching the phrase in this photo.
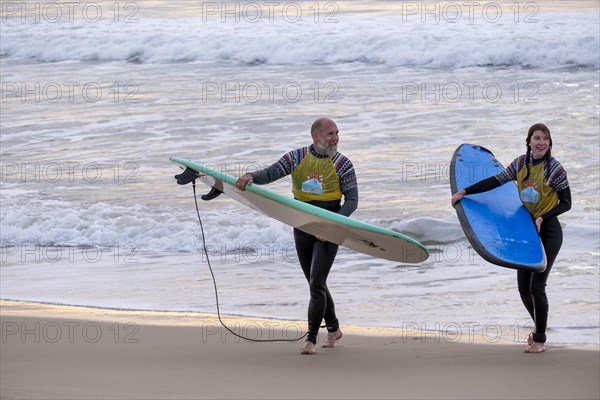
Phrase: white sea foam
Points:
(56, 222)
(557, 39)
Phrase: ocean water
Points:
(96, 96)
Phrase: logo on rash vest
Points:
(529, 194)
(313, 184)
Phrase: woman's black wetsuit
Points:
(532, 285)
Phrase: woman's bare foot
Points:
(536, 348)
(332, 337)
(308, 348)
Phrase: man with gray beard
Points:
(320, 176)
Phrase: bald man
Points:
(320, 176)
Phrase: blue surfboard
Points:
(496, 223)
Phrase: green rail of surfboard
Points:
(291, 202)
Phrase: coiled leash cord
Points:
(215, 283)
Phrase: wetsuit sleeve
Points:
(281, 168)
(350, 202)
(510, 172)
(564, 204)
(345, 171)
(557, 176)
(267, 175)
(483, 185)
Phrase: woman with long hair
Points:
(544, 190)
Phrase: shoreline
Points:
(265, 326)
(75, 352)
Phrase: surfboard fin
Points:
(187, 176)
(213, 194)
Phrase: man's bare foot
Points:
(332, 337)
(530, 339)
(308, 348)
(536, 348)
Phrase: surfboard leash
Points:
(215, 284)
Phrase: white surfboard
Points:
(344, 231)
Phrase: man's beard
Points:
(326, 149)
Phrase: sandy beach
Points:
(75, 352)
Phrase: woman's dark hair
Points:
(528, 157)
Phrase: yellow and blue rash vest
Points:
(538, 191)
(316, 176)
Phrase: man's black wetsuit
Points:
(319, 180)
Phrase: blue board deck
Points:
(496, 223)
